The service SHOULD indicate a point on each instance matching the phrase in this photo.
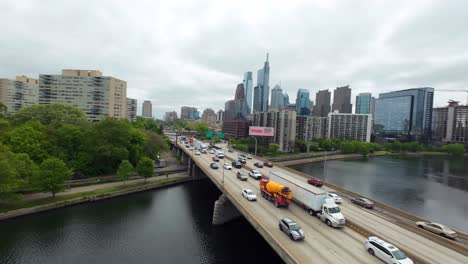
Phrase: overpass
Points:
(322, 244)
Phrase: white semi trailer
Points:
(312, 199)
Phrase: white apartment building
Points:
(18, 93)
(349, 126)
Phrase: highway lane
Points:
(417, 244)
(322, 243)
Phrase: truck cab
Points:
(331, 214)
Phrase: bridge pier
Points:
(224, 211)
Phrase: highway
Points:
(426, 249)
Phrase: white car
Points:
(211, 151)
(255, 174)
(197, 152)
(387, 252)
(227, 166)
(249, 194)
(335, 197)
(249, 156)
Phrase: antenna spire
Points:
(267, 57)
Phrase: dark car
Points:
(363, 202)
(242, 160)
(237, 164)
(215, 158)
(214, 166)
(315, 182)
(258, 165)
(268, 164)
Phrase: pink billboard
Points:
(261, 131)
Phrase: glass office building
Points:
(303, 102)
(365, 103)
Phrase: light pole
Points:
(255, 145)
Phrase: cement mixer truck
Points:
(280, 195)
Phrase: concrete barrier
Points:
(86, 199)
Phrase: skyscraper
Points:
(342, 100)
(322, 103)
(248, 90)
(18, 93)
(131, 109)
(450, 123)
(186, 112)
(405, 114)
(277, 98)
(256, 100)
(96, 95)
(147, 109)
(365, 103)
(285, 99)
(209, 116)
(263, 84)
(303, 102)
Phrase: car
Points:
(214, 166)
(236, 164)
(242, 160)
(230, 150)
(335, 197)
(249, 194)
(255, 174)
(215, 158)
(268, 164)
(291, 228)
(241, 176)
(241, 155)
(316, 182)
(386, 252)
(364, 202)
(227, 166)
(258, 165)
(197, 152)
(203, 151)
(438, 229)
(211, 151)
(249, 156)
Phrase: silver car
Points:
(291, 228)
(438, 229)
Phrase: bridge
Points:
(322, 244)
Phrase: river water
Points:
(170, 225)
(432, 187)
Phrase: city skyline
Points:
(392, 51)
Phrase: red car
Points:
(268, 164)
(215, 159)
(315, 182)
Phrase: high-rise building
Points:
(322, 103)
(284, 123)
(303, 102)
(405, 114)
(285, 99)
(310, 127)
(185, 112)
(235, 128)
(450, 124)
(365, 104)
(236, 109)
(248, 90)
(342, 100)
(209, 116)
(263, 84)
(131, 109)
(220, 116)
(170, 116)
(147, 110)
(96, 95)
(194, 115)
(18, 93)
(349, 126)
(256, 99)
(277, 98)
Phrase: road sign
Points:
(220, 135)
(209, 134)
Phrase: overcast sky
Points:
(194, 53)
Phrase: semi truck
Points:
(279, 194)
(314, 200)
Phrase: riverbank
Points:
(86, 194)
(317, 159)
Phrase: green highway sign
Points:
(209, 134)
(220, 135)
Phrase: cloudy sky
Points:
(194, 53)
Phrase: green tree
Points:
(145, 168)
(3, 110)
(52, 114)
(52, 176)
(28, 139)
(10, 179)
(347, 147)
(454, 149)
(273, 148)
(125, 170)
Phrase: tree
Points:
(454, 149)
(125, 170)
(52, 114)
(28, 138)
(145, 167)
(9, 177)
(52, 176)
(347, 147)
(3, 110)
(273, 148)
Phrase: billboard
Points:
(261, 131)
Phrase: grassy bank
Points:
(42, 201)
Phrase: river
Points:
(170, 225)
(432, 187)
